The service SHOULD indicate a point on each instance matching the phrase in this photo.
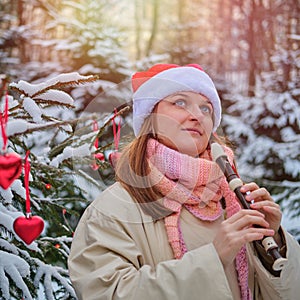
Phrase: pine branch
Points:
(52, 102)
(103, 148)
(59, 148)
(72, 83)
(57, 200)
(56, 85)
(52, 125)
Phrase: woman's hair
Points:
(132, 172)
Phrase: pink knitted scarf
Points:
(197, 184)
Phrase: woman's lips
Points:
(194, 130)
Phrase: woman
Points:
(170, 228)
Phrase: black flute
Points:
(235, 183)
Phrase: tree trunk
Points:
(155, 6)
(251, 51)
(137, 29)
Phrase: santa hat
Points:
(162, 80)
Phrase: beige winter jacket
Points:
(118, 252)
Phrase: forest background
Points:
(251, 49)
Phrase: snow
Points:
(288, 134)
(18, 188)
(292, 166)
(44, 43)
(6, 218)
(16, 268)
(56, 96)
(52, 274)
(70, 152)
(15, 126)
(30, 89)
(33, 109)
(65, 45)
(89, 68)
(294, 37)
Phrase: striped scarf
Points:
(198, 184)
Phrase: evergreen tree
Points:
(41, 121)
(266, 129)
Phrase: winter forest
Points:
(65, 95)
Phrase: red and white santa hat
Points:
(162, 80)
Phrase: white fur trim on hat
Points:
(165, 83)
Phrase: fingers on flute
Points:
(256, 193)
(265, 203)
(249, 187)
(247, 219)
(268, 207)
(244, 216)
(260, 194)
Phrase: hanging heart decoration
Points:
(99, 156)
(10, 163)
(113, 158)
(28, 228)
(10, 169)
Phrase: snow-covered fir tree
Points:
(266, 129)
(41, 119)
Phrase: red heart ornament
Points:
(28, 229)
(10, 169)
(113, 158)
(99, 156)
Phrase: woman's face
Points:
(184, 122)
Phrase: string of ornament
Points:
(10, 163)
(30, 227)
(112, 157)
(27, 227)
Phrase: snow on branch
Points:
(47, 90)
(19, 126)
(12, 267)
(56, 96)
(49, 274)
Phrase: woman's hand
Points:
(264, 203)
(237, 231)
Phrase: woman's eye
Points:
(206, 109)
(180, 102)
